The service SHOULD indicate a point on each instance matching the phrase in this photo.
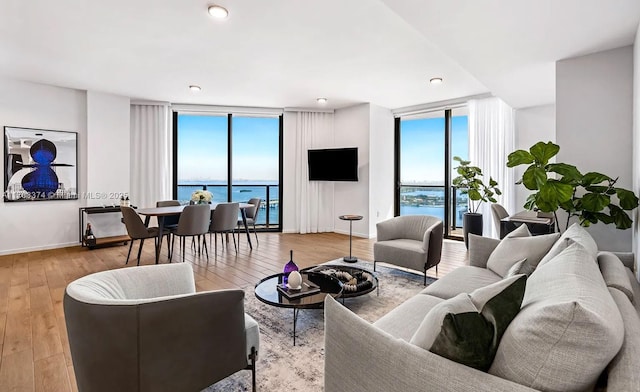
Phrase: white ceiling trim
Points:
(440, 105)
(212, 109)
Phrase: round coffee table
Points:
(266, 291)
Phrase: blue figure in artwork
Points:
(43, 181)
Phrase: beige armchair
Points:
(146, 329)
(410, 241)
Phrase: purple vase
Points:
(289, 267)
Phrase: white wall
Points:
(533, 124)
(288, 172)
(108, 130)
(351, 129)
(381, 163)
(594, 98)
(46, 224)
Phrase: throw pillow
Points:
(575, 233)
(517, 246)
(569, 328)
(521, 267)
(467, 328)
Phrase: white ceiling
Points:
(286, 53)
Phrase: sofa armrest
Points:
(480, 248)
(627, 259)
(361, 357)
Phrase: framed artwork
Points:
(40, 165)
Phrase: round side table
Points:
(350, 218)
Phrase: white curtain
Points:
(491, 139)
(313, 199)
(151, 157)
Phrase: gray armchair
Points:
(146, 329)
(410, 241)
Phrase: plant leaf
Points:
(474, 195)
(552, 194)
(592, 178)
(531, 202)
(569, 172)
(604, 218)
(542, 152)
(628, 200)
(620, 218)
(534, 177)
(595, 202)
(519, 157)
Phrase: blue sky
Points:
(202, 148)
(422, 148)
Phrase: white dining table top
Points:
(177, 210)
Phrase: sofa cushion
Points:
(518, 245)
(623, 372)
(467, 328)
(575, 233)
(521, 267)
(463, 279)
(403, 321)
(614, 273)
(568, 330)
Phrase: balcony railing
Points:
(269, 213)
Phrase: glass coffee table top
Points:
(267, 292)
(364, 281)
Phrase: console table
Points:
(92, 243)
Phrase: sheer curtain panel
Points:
(150, 154)
(491, 139)
(313, 199)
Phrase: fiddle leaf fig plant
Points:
(470, 183)
(589, 197)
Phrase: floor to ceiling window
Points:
(235, 157)
(425, 146)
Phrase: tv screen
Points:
(333, 164)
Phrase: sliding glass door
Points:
(235, 157)
(425, 147)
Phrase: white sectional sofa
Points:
(578, 328)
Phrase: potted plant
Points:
(470, 183)
(590, 197)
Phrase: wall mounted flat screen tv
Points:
(333, 164)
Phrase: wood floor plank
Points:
(51, 375)
(17, 335)
(46, 338)
(19, 298)
(40, 300)
(16, 372)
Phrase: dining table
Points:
(161, 212)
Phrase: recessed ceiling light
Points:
(194, 88)
(322, 100)
(218, 11)
(435, 80)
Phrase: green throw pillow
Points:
(468, 327)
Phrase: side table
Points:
(350, 218)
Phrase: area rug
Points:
(281, 366)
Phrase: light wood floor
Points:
(33, 336)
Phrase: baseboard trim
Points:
(38, 248)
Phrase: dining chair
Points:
(138, 231)
(224, 220)
(170, 222)
(251, 213)
(193, 222)
(498, 212)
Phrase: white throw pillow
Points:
(518, 245)
(575, 233)
(568, 330)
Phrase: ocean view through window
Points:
(234, 157)
(426, 143)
